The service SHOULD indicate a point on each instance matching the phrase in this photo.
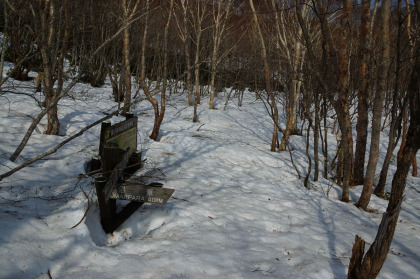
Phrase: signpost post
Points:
(117, 149)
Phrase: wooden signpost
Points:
(117, 150)
(122, 135)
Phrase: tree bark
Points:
(377, 107)
(293, 94)
(362, 104)
(47, 18)
(126, 59)
(395, 120)
(372, 263)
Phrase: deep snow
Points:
(238, 211)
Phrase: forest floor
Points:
(238, 210)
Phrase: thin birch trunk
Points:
(267, 77)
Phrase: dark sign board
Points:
(142, 193)
(122, 135)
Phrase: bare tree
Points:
(221, 12)
(65, 91)
(338, 92)
(295, 59)
(369, 265)
(53, 46)
(182, 24)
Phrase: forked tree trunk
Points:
(159, 120)
(395, 120)
(295, 63)
(370, 266)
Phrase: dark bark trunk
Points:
(316, 138)
(372, 263)
(362, 108)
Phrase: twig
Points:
(87, 209)
(291, 158)
(200, 126)
(180, 199)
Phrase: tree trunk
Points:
(155, 132)
(362, 107)
(316, 138)
(197, 66)
(342, 105)
(126, 59)
(189, 76)
(267, 77)
(5, 40)
(377, 108)
(325, 149)
(47, 51)
(293, 96)
(159, 119)
(372, 263)
(395, 121)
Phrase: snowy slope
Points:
(239, 210)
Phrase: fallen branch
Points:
(86, 211)
(58, 146)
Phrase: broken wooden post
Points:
(119, 161)
(106, 210)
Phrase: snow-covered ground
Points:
(238, 211)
